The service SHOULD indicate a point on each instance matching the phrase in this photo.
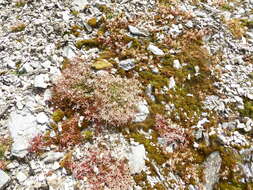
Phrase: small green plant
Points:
(93, 22)
(248, 108)
(90, 43)
(20, 3)
(75, 13)
(236, 27)
(87, 135)
(58, 115)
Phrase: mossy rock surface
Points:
(102, 64)
(93, 22)
(90, 43)
(248, 108)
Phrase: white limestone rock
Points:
(42, 118)
(68, 52)
(143, 112)
(137, 159)
(53, 156)
(79, 4)
(172, 83)
(21, 176)
(23, 128)
(41, 81)
(212, 167)
(135, 31)
(4, 179)
(176, 64)
(155, 50)
(127, 64)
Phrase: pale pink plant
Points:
(171, 132)
(103, 171)
(101, 98)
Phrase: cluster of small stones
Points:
(36, 37)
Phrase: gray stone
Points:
(137, 159)
(87, 27)
(143, 112)
(189, 24)
(21, 176)
(172, 83)
(22, 129)
(176, 64)
(68, 52)
(175, 30)
(53, 156)
(127, 64)
(155, 50)
(136, 31)
(11, 64)
(154, 70)
(250, 34)
(27, 68)
(64, 183)
(46, 64)
(212, 167)
(79, 4)
(149, 90)
(4, 180)
(42, 118)
(41, 81)
(249, 125)
(198, 134)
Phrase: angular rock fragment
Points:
(135, 31)
(22, 128)
(127, 64)
(155, 50)
(143, 112)
(41, 81)
(137, 159)
(4, 179)
(211, 171)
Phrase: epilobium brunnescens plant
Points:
(103, 171)
(101, 98)
(37, 144)
(70, 133)
(170, 132)
(67, 134)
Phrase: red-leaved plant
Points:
(100, 98)
(103, 171)
(170, 132)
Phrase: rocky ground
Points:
(185, 66)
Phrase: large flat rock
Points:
(211, 172)
(4, 179)
(23, 127)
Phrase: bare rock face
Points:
(137, 159)
(155, 50)
(22, 128)
(4, 179)
(143, 112)
(211, 172)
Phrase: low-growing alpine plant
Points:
(101, 98)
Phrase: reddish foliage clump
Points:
(37, 144)
(99, 98)
(102, 170)
(2, 165)
(70, 134)
(170, 132)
